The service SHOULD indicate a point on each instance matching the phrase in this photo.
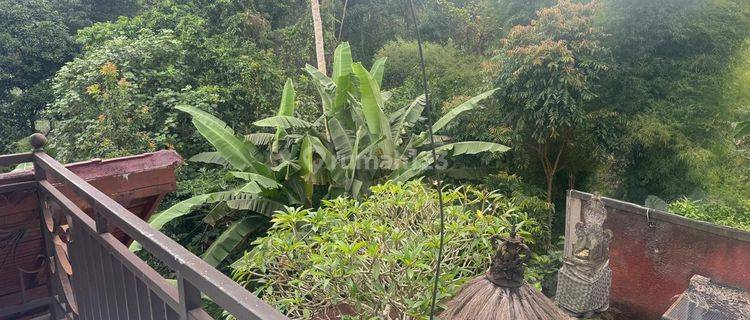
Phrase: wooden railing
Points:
(95, 276)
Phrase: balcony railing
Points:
(94, 276)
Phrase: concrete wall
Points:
(652, 264)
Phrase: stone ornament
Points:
(584, 280)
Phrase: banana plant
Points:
(367, 146)
(742, 130)
(351, 146)
(271, 180)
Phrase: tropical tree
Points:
(298, 164)
(548, 72)
(34, 43)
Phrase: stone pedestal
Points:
(583, 293)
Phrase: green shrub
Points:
(451, 72)
(714, 212)
(377, 255)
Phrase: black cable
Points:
(434, 163)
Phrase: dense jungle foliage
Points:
(635, 99)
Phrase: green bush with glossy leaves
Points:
(377, 256)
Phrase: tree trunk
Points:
(550, 169)
(318, 31)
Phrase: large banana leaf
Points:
(372, 108)
(742, 129)
(284, 122)
(377, 70)
(340, 139)
(352, 165)
(261, 205)
(342, 70)
(306, 164)
(326, 88)
(235, 151)
(424, 159)
(180, 209)
(285, 109)
(287, 99)
(407, 116)
(260, 138)
(261, 180)
(471, 147)
(470, 104)
(23, 167)
(218, 212)
(325, 154)
(209, 157)
(415, 167)
(232, 238)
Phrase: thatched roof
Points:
(482, 299)
(502, 294)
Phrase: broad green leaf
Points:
(742, 130)
(260, 138)
(377, 70)
(306, 155)
(209, 157)
(285, 109)
(321, 78)
(251, 187)
(263, 181)
(180, 209)
(472, 147)
(352, 165)
(340, 139)
(23, 167)
(470, 104)
(342, 69)
(218, 212)
(372, 103)
(235, 151)
(287, 99)
(413, 168)
(355, 188)
(256, 204)
(226, 196)
(285, 122)
(424, 159)
(231, 239)
(306, 164)
(325, 86)
(326, 155)
(407, 116)
(372, 108)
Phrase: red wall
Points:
(652, 265)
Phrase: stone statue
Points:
(508, 262)
(584, 280)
